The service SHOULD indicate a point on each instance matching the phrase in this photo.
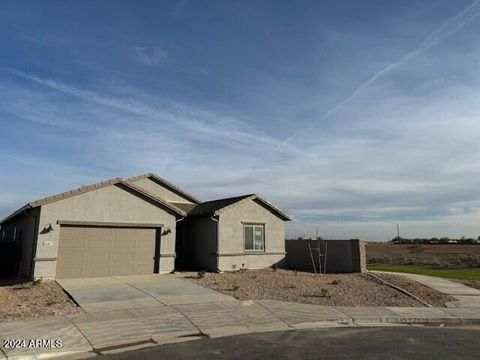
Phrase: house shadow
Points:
(10, 265)
(12, 280)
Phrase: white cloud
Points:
(151, 55)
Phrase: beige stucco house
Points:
(142, 225)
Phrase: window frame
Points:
(253, 226)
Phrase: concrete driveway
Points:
(136, 291)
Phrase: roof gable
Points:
(166, 185)
(215, 207)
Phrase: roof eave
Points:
(279, 212)
(153, 197)
(167, 183)
(16, 213)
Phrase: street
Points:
(335, 343)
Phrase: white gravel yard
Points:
(303, 287)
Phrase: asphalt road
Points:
(335, 343)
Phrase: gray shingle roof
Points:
(85, 189)
(211, 208)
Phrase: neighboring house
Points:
(139, 226)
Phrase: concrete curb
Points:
(399, 289)
(466, 296)
(284, 316)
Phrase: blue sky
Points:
(352, 117)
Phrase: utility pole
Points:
(316, 234)
(398, 232)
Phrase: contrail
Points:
(451, 26)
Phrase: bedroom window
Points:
(254, 236)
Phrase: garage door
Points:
(87, 251)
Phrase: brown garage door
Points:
(87, 251)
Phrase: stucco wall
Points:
(343, 256)
(201, 243)
(231, 247)
(108, 204)
(160, 191)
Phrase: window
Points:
(254, 236)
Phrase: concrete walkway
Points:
(120, 330)
(136, 291)
(467, 297)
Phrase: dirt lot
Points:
(445, 256)
(26, 300)
(330, 289)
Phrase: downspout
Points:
(216, 240)
(34, 243)
(182, 242)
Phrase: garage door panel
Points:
(92, 271)
(95, 251)
(121, 259)
(144, 255)
(123, 270)
(143, 268)
(124, 244)
(98, 243)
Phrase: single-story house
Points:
(141, 225)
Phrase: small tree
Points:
(444, 240)
(417, 249)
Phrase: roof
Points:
(214, 207)
(183, 206)
(210, 207)
(167, 184)
(155, 198)
(96, 186)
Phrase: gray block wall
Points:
(343, 256)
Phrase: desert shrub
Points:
(324, 292)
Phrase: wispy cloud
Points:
(447, 29)
(151, 55)
(216, 129)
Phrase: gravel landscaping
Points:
(32, 300)
(328, 290)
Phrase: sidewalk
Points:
(121, 330)
(467, 297)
